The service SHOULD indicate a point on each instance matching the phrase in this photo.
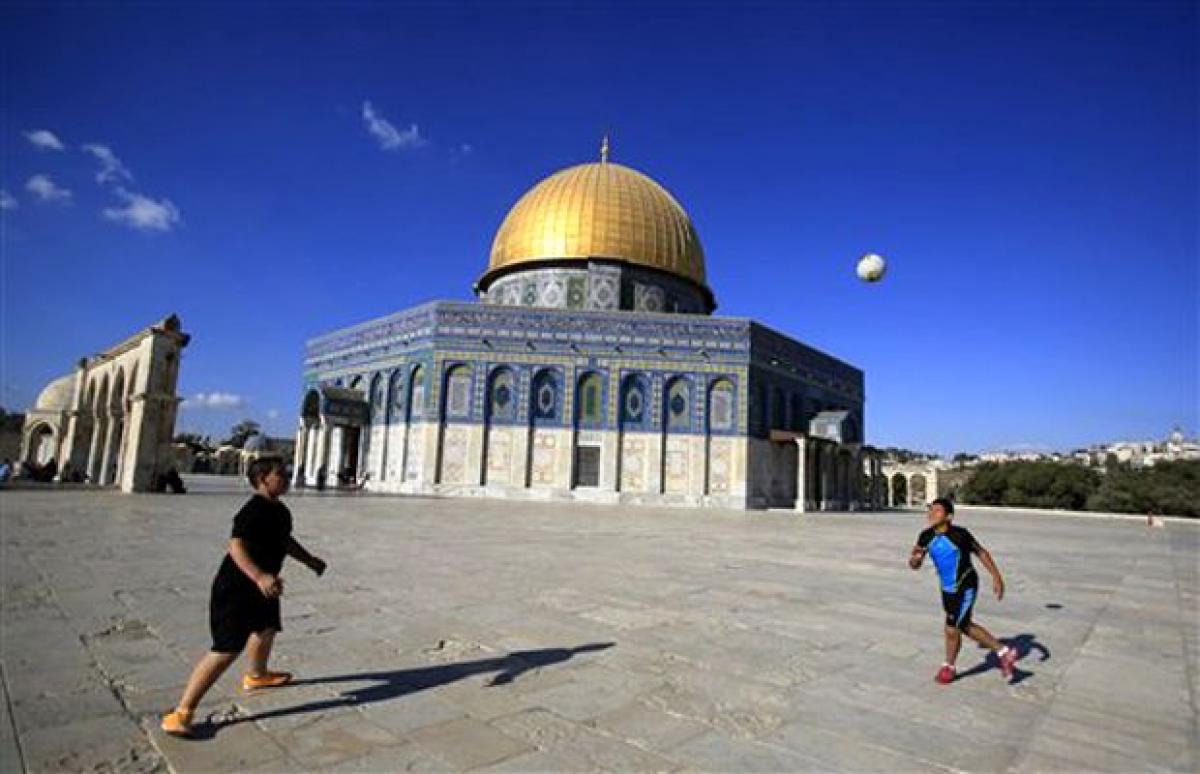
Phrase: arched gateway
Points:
(111, 421)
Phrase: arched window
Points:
(458, 392)
(678, 408)
(396, 401)
(502, 395)
(634, 409)
(378, 399)
(589, 401)
(416, 394)
(545, 397)
(720, 406)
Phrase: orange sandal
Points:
(177, 723)
(265, 680)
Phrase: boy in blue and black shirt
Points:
(951, 547)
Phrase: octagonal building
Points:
(590, 368)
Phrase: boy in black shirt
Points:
(244, 606)
(951, 547)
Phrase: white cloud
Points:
(388, 136)
(46, 190)
(7, 200)
(273, 414)
(44, 139)
(143, 213)
(215, 400)
(111, 168)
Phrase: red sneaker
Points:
(945, 675)
(1008, 662)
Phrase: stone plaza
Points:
(475, 634)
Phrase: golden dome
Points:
(601, 210)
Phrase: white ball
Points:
(871, 267)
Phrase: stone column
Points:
(334, 454)
(829, 478)
(875, 482)
(107, 455)
(300, 455)
(321, 455)
(801, 474)
(93, 460)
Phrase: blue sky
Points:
(1029, 170)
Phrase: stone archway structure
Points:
(111, 422)
(833, 476)
(920, 484)
(329, 438)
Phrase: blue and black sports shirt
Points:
(951, 551)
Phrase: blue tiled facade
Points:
(777, 382)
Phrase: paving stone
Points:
(467, 743)
(231, 747)
(328, 739)
(108, 742)
(402, 757)
(48, 711)
(648, 727)
(539, 727)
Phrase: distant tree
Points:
(1171, 488)
(962, 458)
(242, 431)
(1031, 483)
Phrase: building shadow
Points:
(401, 682)
(1025, 644)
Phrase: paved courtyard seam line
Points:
(12, 716)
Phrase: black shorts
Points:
(235, 611)
(960, 604)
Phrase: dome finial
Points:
(604, 149)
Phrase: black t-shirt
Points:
(951, 553)
(264, 526)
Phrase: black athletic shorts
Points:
(960, 604)
(237, 609)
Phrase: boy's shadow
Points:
(400, 682)
(1024, 645)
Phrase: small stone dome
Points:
(56, 396)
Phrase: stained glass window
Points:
(545, 396)
(677, 405)
(416, 402)
(458, 392)
(503, 396)
(720, 406)
(633, 402)
(591, 412)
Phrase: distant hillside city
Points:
(1140, 454)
